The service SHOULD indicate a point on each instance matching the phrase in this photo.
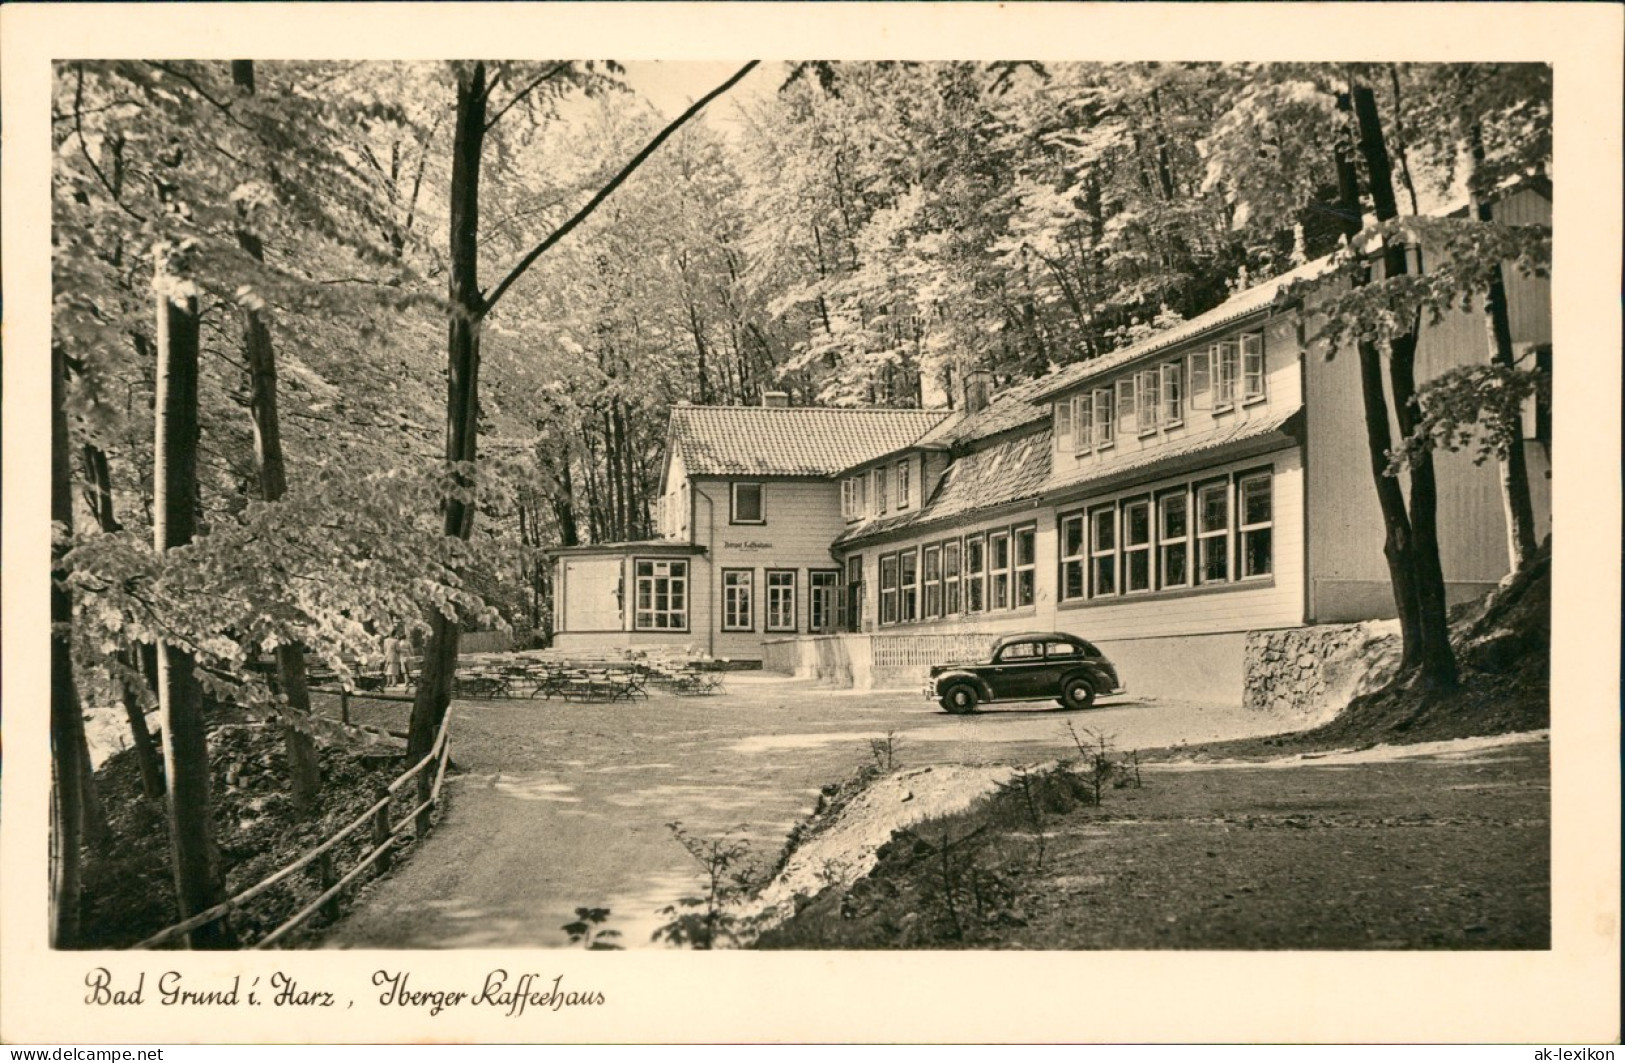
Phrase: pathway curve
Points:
(560, 806)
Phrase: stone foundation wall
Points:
(1311, 673)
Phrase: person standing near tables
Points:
(394, 661)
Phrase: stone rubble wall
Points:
(1309, 674)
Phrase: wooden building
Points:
(1161, 501)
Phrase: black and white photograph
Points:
(1097, 509)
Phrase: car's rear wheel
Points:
(1077, 693)
(960, 699)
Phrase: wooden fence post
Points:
(380, 830)
(344, 704)
(425, 791)
(324, 865)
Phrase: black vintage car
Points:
(1030, 667)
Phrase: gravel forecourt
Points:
(565, 805)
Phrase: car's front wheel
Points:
(1077, 693)
(960, 699)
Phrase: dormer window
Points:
(1148, 386)
(1105, 423)
(1252, 367)
(902, 484)
(1127, 422)
(880, 489)
(1173, 394)
(747, 504)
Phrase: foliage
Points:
(883, 751)
(1476, 406)
(712, 920)
(588, 930)
(282, 572)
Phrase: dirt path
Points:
(565, 805)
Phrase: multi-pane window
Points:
(849, 498)
(1226, 370)
(1104, 422)
(1173, 394)
(1127, 422)
(1173, 540)
(1252, 366)
(880, 489)
(902, 484)
(1073, 560)
(1083, 421)
(998, 549)
(888, 589)
(908, 585)
(931, 564)
(747, 504)
(950, 578)
(1213, 532)
(1136, 546)
(1255, 526)
(975, 574)
(862, 495)
(1026, 550)
(1103, 552)
(661, 589)
(781, 600)
(1148, 388)
(1063, 426)
(823, 597)
(738, 592)
(1216, 532)
(1201, 380)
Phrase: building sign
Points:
(747, 545)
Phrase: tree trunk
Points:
(1436, 659)
(1520, 510)
(564, 506)
(304, 772)
(67, 720)
(1396, 547)
(198, 881)
(462, 393)
(99, 496)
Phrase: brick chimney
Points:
(978, 389)
(776, 399)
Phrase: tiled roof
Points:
(790, 441)
(1006, 472)
(1235, 308)
(1141, 461)
(1011, 409)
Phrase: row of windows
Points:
(781, 587)
(1138, 545)
(661, 598)
(1157, 398)
(1198, 534)
(977, 573)
(877, 491)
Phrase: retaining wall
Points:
(1309, 674)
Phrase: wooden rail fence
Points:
(376, 819)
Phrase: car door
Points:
(1020, 671)
(1065, 658)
